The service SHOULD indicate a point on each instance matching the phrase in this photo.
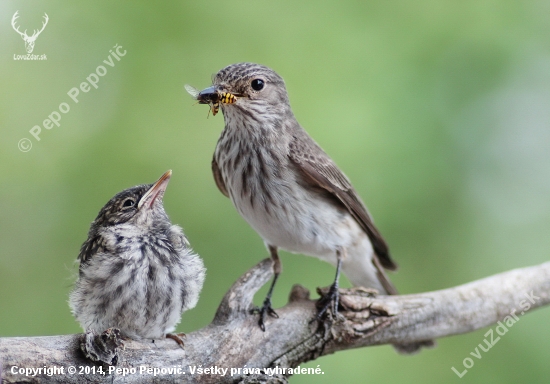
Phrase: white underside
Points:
(315, 227)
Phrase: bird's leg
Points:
(266, 307)
(177, 337)
(333, 295)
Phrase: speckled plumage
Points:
(286, 187)
(137, 270)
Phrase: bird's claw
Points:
(177, 337)
(266, 309)
(328, 301)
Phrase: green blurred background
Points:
(438, 111)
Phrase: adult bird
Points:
(286, 187)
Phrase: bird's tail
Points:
(362, 267)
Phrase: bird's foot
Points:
(328, 301)
(177, 337)
(266, 309)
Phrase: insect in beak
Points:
(211, 96)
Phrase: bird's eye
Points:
(257, 84)
(128, 203)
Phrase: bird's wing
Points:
(218, 177)
(90, 247)
(322, 172)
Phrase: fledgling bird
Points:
(287, 188)
(137, 271)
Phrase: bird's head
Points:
(139, 205)
(248, 88)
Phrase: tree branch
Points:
(233, 340)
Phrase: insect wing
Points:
(192, 91)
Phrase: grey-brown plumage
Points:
(286, 187)
(137, 271)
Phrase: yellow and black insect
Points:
(227, 98)
(212, 97)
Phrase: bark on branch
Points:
(233, 340)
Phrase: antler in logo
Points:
(29, 40)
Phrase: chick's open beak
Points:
(156, 192)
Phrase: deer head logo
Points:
(29, 40)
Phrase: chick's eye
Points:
(257, 84)
(128, 203)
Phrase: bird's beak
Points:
(208, 95)
(156, 191)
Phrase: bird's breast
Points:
(264, 186)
